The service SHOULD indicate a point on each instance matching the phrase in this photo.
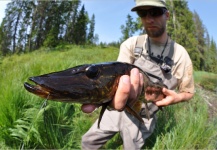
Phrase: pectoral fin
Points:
(134, 113)
(104, 106)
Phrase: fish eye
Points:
(92, 72)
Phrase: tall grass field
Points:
(30, 122)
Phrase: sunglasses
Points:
(153, 12)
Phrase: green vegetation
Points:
(21, 119)
(33, 24)
(29, 122)
(24, 123)
(206, 80)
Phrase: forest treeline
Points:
(29, 25)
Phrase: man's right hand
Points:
(129, 88)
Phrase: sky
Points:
(111, 14)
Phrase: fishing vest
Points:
(157, 71)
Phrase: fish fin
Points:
(135, 114)
(104, 106)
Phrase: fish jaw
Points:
(36, 89)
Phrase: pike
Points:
(88, 84)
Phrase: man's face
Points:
(154, 20)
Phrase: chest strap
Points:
(139, 48)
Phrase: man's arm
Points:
(171, 97)
(130, 87)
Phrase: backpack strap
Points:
(168, 56)
(170, 52)
(139, 46)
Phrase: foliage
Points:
(28, 122)
(90, 37)
(187, 29)
(79, 34)
(129, 29)
(182, 126)
(48, 27)
(23, 123)
(186, 126)
(206, 80)
(29, 25)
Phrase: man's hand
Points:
(153, 94)
(129, 88)
(171, 97)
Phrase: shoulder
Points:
(182, 62)
(131, 42)
(181, 55)
(126, 53)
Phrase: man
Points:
(154, 57)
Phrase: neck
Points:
(160, 39)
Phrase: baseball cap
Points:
(156, 3)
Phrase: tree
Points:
(80, 28)
(129, 29)
(90, 36)
(181, 28)
(200, 37)
(5, 37)
(71, 19)
(34, 23)
(211, 58)
(13, 27)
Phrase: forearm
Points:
(184, 96)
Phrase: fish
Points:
(88, 84)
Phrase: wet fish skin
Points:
(85, 84)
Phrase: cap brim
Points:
(154, 4)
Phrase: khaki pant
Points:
(132, 131)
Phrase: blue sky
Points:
(111, 14)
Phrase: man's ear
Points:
(168, 15)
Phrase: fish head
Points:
(91, 83)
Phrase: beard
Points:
(156, 33)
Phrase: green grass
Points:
(186, 127)
(19, 108)
(206, 80)
(24, 124)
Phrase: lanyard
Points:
(156, 59)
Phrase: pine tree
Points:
(5, 39)
(200, 37)
(181, 28)
(80, 28)
(129, 29)
(211, 58)
(71, 19)
(38, 26)
(90, 36)
(12, 27)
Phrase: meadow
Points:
(30, 122)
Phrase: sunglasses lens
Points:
(154, 12)
(142, 13)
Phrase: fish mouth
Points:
(38, 90)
